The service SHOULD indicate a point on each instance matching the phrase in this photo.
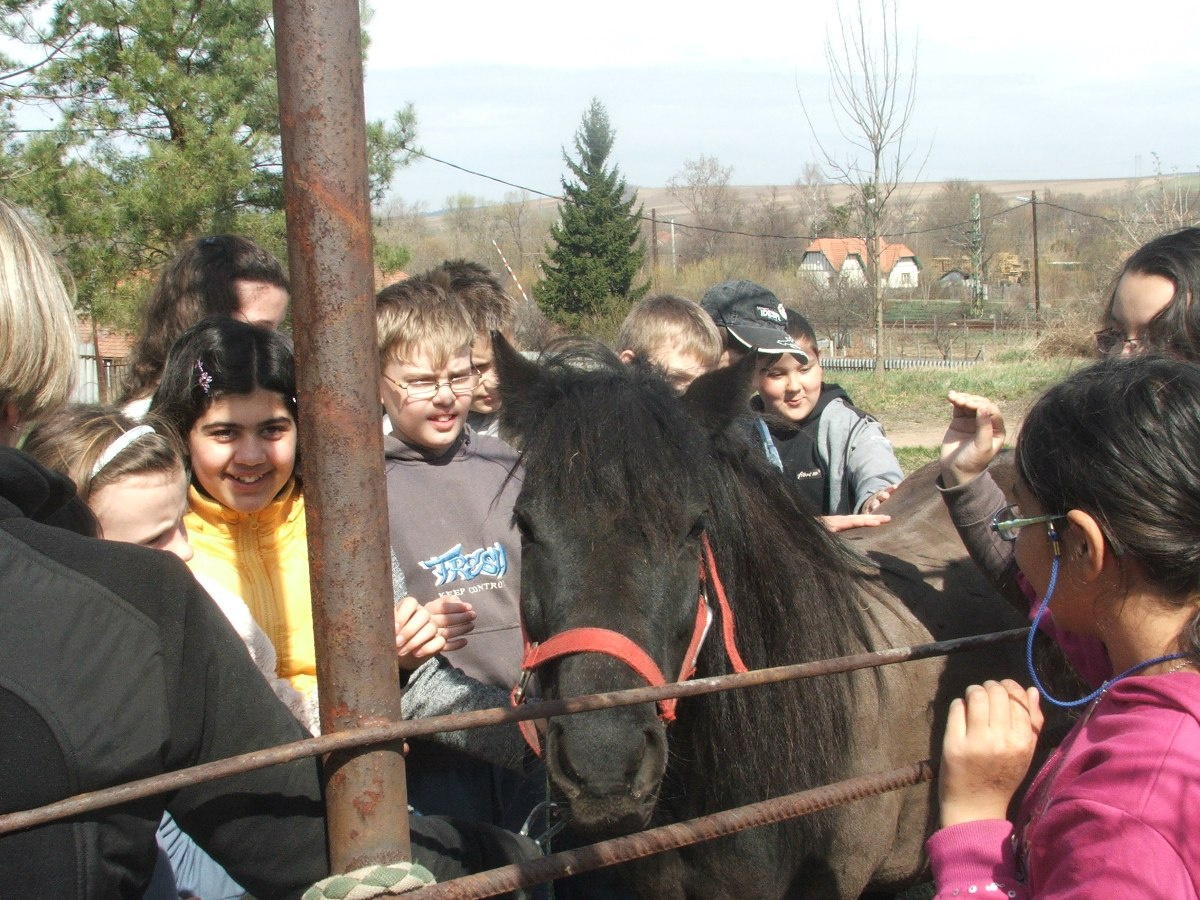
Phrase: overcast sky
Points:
(1023, 90)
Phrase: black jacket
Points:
(114, 665)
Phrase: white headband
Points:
(118, 445)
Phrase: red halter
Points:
(618, 646)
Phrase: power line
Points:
(773, 237)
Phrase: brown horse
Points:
(625, 486)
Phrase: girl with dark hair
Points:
(228, 392)
(1152, 303)
(1107, 531)
(222, 275)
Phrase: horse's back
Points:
(925, 588)
(920, 558)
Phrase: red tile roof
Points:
(114, 344)
(837, 249)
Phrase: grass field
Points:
(915, 399)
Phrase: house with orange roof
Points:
(847, 257)
(103, 355)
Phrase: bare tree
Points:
(872, 99)
(778, 224)
(819, 216)
(703, 187)
(1170, 203)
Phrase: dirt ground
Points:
(926, 431)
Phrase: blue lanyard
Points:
(1070, 704)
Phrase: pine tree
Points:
(597, 243)
(168, 128)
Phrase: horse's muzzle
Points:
(624, 767)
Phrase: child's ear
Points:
(1084, 540)
(627, 356)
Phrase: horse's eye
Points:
(696, 530)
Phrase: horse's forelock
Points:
(616, 439)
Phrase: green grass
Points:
(913, 458)
(1017, 381)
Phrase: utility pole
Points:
(654, 248)
(976, 259)
(1037, 287)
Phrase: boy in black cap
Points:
(751, 319)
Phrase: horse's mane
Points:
(611, 436)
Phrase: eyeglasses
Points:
(459, 385)
(1007, 523)
(1109, 339)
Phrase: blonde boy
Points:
(450, 502)
(674, 334)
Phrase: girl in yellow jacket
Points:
(229, 392)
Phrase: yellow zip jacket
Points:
(263, 558)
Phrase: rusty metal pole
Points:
(319, 60)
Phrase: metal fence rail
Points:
(392, 731)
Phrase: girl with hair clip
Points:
(228, 394)
(1107, 532)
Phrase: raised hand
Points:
(975, 436)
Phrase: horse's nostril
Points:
(567, 778)
(644, 779)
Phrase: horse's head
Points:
(619, 483)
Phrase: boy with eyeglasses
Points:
(450, 502)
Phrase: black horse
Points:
(625, 485)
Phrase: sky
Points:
(1025, 90)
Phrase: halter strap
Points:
(619, 647)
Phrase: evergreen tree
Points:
(597, 243)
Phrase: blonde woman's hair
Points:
(665, 320)
(38, 341)
(76, 439)
(415, 316)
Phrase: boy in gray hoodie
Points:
(450, 500)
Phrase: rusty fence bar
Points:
(397, 731)
(674, 836)
(323, 127)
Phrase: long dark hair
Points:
(199, 282)
(1119, 441)
(218, 357)
(1176, 257)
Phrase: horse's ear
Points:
(722, 395)
(519, 382)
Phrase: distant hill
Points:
(666, 207)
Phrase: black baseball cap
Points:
(753, 316)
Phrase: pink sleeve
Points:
(1100, 851)
(975, 859)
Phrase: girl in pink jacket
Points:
(1107, 531)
